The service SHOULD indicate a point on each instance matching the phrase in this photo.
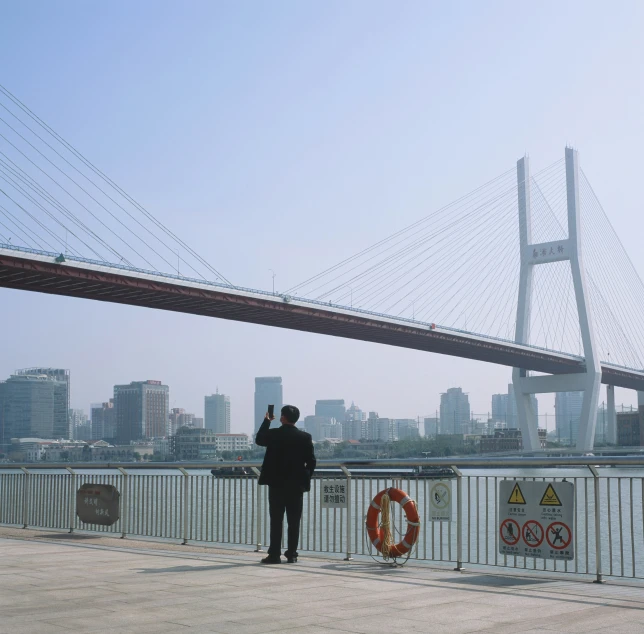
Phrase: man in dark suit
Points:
(288, 465)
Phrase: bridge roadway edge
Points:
(52, 583)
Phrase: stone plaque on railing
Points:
(98, 504)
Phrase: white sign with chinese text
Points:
(440, 501)
(334, 494)
(536, 519)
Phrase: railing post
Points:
(459, 519)
(185, 505)
(598, 535)
(72, 499)
(348, 498)
(25, 498)
(124, 502)
(258, 511)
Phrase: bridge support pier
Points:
(534, 254)
(611, 418)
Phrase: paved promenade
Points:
(55, 582)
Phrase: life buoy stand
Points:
(380, 533)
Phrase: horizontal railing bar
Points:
(467, 462)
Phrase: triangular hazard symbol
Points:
(550, 498)
(516, 497)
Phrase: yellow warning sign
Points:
(550, 497)
(516, 497)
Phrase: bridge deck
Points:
(56, 582)
(40, 273)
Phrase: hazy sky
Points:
(287, 135)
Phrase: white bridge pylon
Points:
(546, 253)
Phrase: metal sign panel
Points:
(98, 504)
(440, 501)
(536, 519)
(333, 494)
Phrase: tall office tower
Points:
(331, 409)
(268, 391)
(31, 407)
(567, 413)
(103, 421)
(406, 429)
(455, 411)
(217, 413)
(179, 418)
(500, 408)
(353, 427)
(61, 403)
(141, 410)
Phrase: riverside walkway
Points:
(52, 582)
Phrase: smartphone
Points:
(271, 409)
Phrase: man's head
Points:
(290, 415)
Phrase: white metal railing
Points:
(173, 501)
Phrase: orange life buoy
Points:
(376, 532)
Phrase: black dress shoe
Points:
(271, 559)
(291, 560)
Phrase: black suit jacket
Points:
(289, 460)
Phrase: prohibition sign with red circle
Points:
(532, 533)
(555, 531)
(512, 529)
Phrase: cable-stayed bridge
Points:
(525, 271)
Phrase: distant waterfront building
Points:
(197, 422)
(103, 421)
(629, 428)
(353, 427)
(190, 444)
(380, 429)
(142, 409)
(507, 440)
(81, 428)
(179, 418)
(33, 406)
(217, 413)
(268, 391)
(504, 408)
(333, 408)
(406, 429)
(431, 426)
(454, 412)
(315, 425)
(232, 442)
(567, 414)
(62, 400)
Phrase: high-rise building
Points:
(406, 429)
(141, 410)
(33, 406)
(217, 413)
(179, 418)
(567, 414)
(315, 425)
(268, 391)
(103, 421)
(380, 429)
(62, 400)
(81, 428)
(504, 408)
(331, 409)
(354, 425)
(455, 411)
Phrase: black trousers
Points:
(282, 500)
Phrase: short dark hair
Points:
(291, 413)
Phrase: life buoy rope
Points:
(379, 523)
